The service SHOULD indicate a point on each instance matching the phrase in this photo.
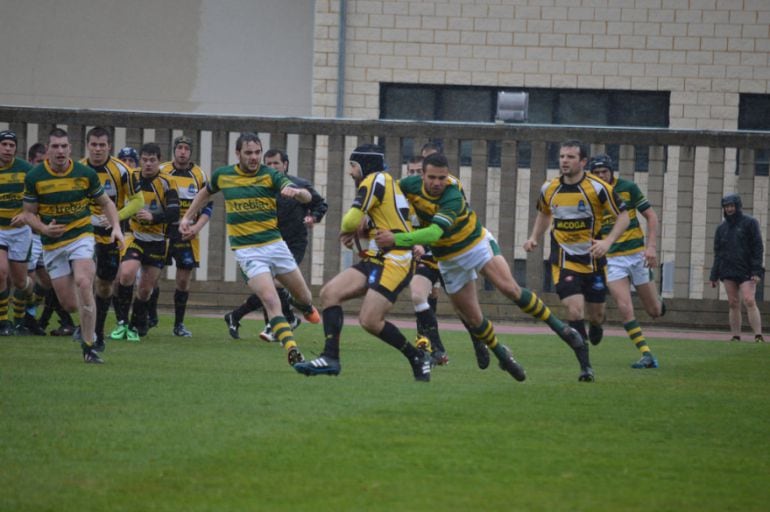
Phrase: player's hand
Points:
(144, 215)
(347, 239)
(530, 245)
(185, 227)
(309, 221)
(713, 284)
(418, 251)
(650, 258)
(54, 230)
(18, 221)
(384, 239)
(192, 231)
(599, 248)
(102, 221)
(117, 237)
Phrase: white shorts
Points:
(631, 266)
(57, 261)
(36, 254)
(462, 269)
(17, 241)
(275, 258)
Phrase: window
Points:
(752, 115)
(546, 106)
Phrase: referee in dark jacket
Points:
(738, 256)
(294, 219)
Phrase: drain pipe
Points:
(341, 59)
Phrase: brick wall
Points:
(705, 52)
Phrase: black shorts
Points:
(183, 254)
(107, 261)
(429, 272)
(152, 254)
(386, 276)
(737, 279)
(592, 286)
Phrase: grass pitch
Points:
(213, 424)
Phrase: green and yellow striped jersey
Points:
(12, 190)
(451, 212)
(631, 240)
(64, 198)
(577, 211)
(250, 205)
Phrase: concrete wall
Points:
(213, 56)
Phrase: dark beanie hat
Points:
(370, 157)
(8, 135)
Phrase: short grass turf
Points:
(214, 424)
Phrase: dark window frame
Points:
(752, 115)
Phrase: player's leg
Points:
(107, 265)
(466, 303)
(185, 255)
(181, 296)
(748, 291)
(139, 312)
(734, 307)
(649, 298)
(260, 265)
(498, 272)
(420, 289)
(348, 284)
(129, 267)
(569, 287)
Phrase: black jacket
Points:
(737, 249)
(291, 215)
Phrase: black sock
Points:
(433, 303)
(45, 316)
(180, 306)
(251, 304)
(102, 308)
(125, 294)
(333, 318)
(116, 305)
(468, 328)
(139, 315)
(581, 353)
(267, 319)
(393, 337)
(288, 312)
(427, 326)
(64, 316)
(579, 326)
(152, 304)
